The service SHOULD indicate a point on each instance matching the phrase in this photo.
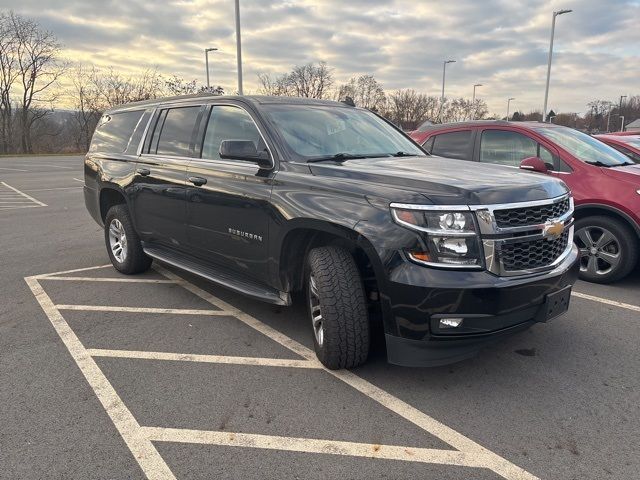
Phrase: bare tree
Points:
(8, 75)
(310, 80)
(365, 91)
(39, 69)
(408, 108)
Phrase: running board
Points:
(220, 277)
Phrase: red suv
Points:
(604, 182)
(627, 144)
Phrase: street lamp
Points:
(553, 29)
(508, 105)
(238, 47)
(474, 91)
(444, 69)
(620, 112)
(206, 61)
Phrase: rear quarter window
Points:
(114, 131)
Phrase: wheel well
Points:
(592, 211)
(299, 242)
(108, 198)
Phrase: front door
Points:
(228, 214)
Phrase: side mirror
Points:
(534, 164)
(246, 151)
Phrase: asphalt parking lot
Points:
(163, 375)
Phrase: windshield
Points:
(584, 147)
(632, 141)
(315, 132)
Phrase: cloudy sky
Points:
(502, 44)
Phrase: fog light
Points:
(450, 322)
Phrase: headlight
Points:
(450, 236)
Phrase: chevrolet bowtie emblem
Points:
(553, 230)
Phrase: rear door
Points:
(159, 199)
(228, 214)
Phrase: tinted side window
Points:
(113, 131)
(428, 145)
(632, 155)
(177, 131)
(506, 148)
(453, 145)
(228, 123)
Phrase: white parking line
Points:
(141, 447)
(467, 453)
(175, 311)
(29, 197)
(482, 457)
(56, 188)
(13, 169)
(606, 301)
(309, 445)
(190, 357)
(78, 180)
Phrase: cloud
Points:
(500, 43)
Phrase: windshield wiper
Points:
(402, 154)
(597, 163)
(338, 157)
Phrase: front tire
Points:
(123, 244)
(337, 308)
(608, 249)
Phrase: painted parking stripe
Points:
(141, 447)
(189, 357)
(606, 301)
(37, 202)
(75, 270)
(309, 445)
(173, 311)
(55, 188)
(485, 458)
(111, 279)
(13, 169)
(78, 180)
(468, 453)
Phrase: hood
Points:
(628, 173)
(447, 181)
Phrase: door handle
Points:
(143, 172)
(198, 181)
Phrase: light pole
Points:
(508, 105)
(444, 69)
(553, 29)
(620, 112)
(474, 91)
(238, 47)
(206, 61)
(473, 101)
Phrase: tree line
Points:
(32, 67)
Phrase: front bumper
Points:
(492, 308)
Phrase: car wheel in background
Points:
(608, 249)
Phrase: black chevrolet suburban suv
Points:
(269, 196)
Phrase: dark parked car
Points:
(269, 196)
(605, 184)
(626, 144)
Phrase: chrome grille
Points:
(519, 217)
(527, 255)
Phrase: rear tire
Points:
(337, 308)
(123, 244)
(608, 249)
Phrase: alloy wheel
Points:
(315, 311)
(600, 251)
(118, 240)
